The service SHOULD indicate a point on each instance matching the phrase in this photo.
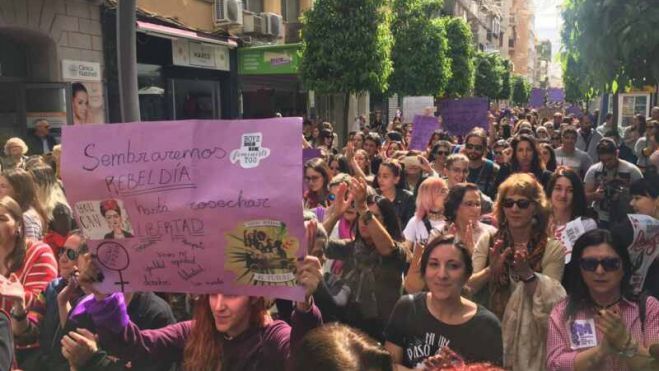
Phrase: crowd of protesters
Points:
(443, 258)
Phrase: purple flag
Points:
(537, 98)
(459, 116)
(422, 130)
(185, 206)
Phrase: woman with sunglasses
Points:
(374, 261)
(438, 155)
(316, 177)
(601, 325)
(426, 324)
(518, 270)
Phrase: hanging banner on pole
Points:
(183, 207)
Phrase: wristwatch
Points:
(18, 316)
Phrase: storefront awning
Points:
(177, 33)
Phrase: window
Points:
(290, 10)
(255, 6)
(632, 104)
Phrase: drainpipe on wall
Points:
(127, 60)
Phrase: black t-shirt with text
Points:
(421, 335)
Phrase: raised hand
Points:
(521, 263)
(498, 256)
(12, 289)
(358, 189)
(424, 164)
(309, 274)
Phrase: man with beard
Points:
(588, 138)
(607, 183)
(482, 171)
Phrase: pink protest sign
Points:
(190, 206)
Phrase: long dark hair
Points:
(454, 199)
(537, 166)
(447, 239)
(578, 193)
(396, 169)
(25, 192)
(579, 298)
(15, 259)
(551, 165)
(389, 217)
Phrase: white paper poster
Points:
(645, 248)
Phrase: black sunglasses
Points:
(70, 253)
(609, 264)
(522, 203)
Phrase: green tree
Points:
(507, 70)
(521, 91)
(609, 45)
(461, 55)
(489, 75)
(346, 47)
(419, 53)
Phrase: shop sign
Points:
(81, 70)
(277, 60)
(194, 54)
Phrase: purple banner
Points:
(537, 98)
(422, 129)
(182, 206)
(555, 96)
(459, 116)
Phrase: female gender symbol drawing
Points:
(114, 256)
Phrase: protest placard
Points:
(422, 130)
(459, 116)
(193, 206)
(416, 106)
(537, 97)
(555, 96)
(570, 232)
(644, 249)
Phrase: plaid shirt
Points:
(561, 355)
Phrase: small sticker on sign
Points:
(582, 334)
(250, 153)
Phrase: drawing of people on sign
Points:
(262, 253)
(112, 213)
(103, 219)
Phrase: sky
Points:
(548, 26)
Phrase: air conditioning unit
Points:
(252, 23)
(228, 12)
(273, 24)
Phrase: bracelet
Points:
(529, 279)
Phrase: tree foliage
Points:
(346, 46)
(461, 56)
(521, 91)
(489, 75)
(608, 45)
(506, 83)
(419, 54)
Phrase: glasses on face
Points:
(477, 147)
(498, 153)
(442, 153)
(312, 178)
(70, 254)
(522, 203)
(608, 264)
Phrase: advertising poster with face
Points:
(183, 208)
(87, 100)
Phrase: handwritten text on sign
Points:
(461, 115)
(645, 248)
(193, 206)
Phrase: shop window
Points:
(255, 6)
(632, 104)
(153, 102)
